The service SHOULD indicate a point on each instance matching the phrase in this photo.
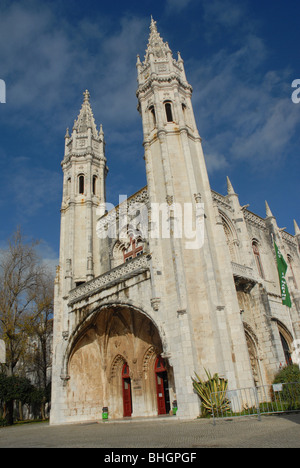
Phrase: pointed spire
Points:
(153, 25)
(85, 118)
(156, 45)
(297, 229)
(230, 189)
(269, 213)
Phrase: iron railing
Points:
(255, 401)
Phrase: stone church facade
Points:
(137, 314)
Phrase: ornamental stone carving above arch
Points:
(116, 365)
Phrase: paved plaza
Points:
(271, 432)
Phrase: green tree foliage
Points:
(20, 269)
(289, 396)
(288, 374)
(13, 388)
(26, 321)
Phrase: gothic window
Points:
(258, 259)
(126, 251)
(286, 350)
(169, 113)
(134, 249)
(94, 185)
(81, 184)
(290, 262)
(253, 354)
(231, 238)
(152, 111)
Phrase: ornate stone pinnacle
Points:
(153, 25)
(86, 95)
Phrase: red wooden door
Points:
(126, 383)
(161, 405)
(161, 375)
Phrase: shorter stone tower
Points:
(84, 171)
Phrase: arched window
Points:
(258, 259)
(94, 188)
(286, 350)
(231, 238)
(169, 114)
(152, 111)
(253, 354)
(134, 249)
(81, 184)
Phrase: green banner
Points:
(282, 267)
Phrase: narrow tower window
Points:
(184, 112)
(81, 184)
(94, 185)
(169, 114)
(152, 110)
(69, 187)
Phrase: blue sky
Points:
(241, 58)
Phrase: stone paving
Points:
(272, 432)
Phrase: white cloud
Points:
(214, 161)
(48, 62)
(29, 188)
(244, 110)
(48, 256)
(222, 12)
(177, 5)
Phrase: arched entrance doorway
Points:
(113, 364)
(162, 387)
(126, 387)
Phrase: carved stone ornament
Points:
(198, 197)
(65, 378)
(170, 200)
(155, 303)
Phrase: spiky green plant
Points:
(212, 393)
